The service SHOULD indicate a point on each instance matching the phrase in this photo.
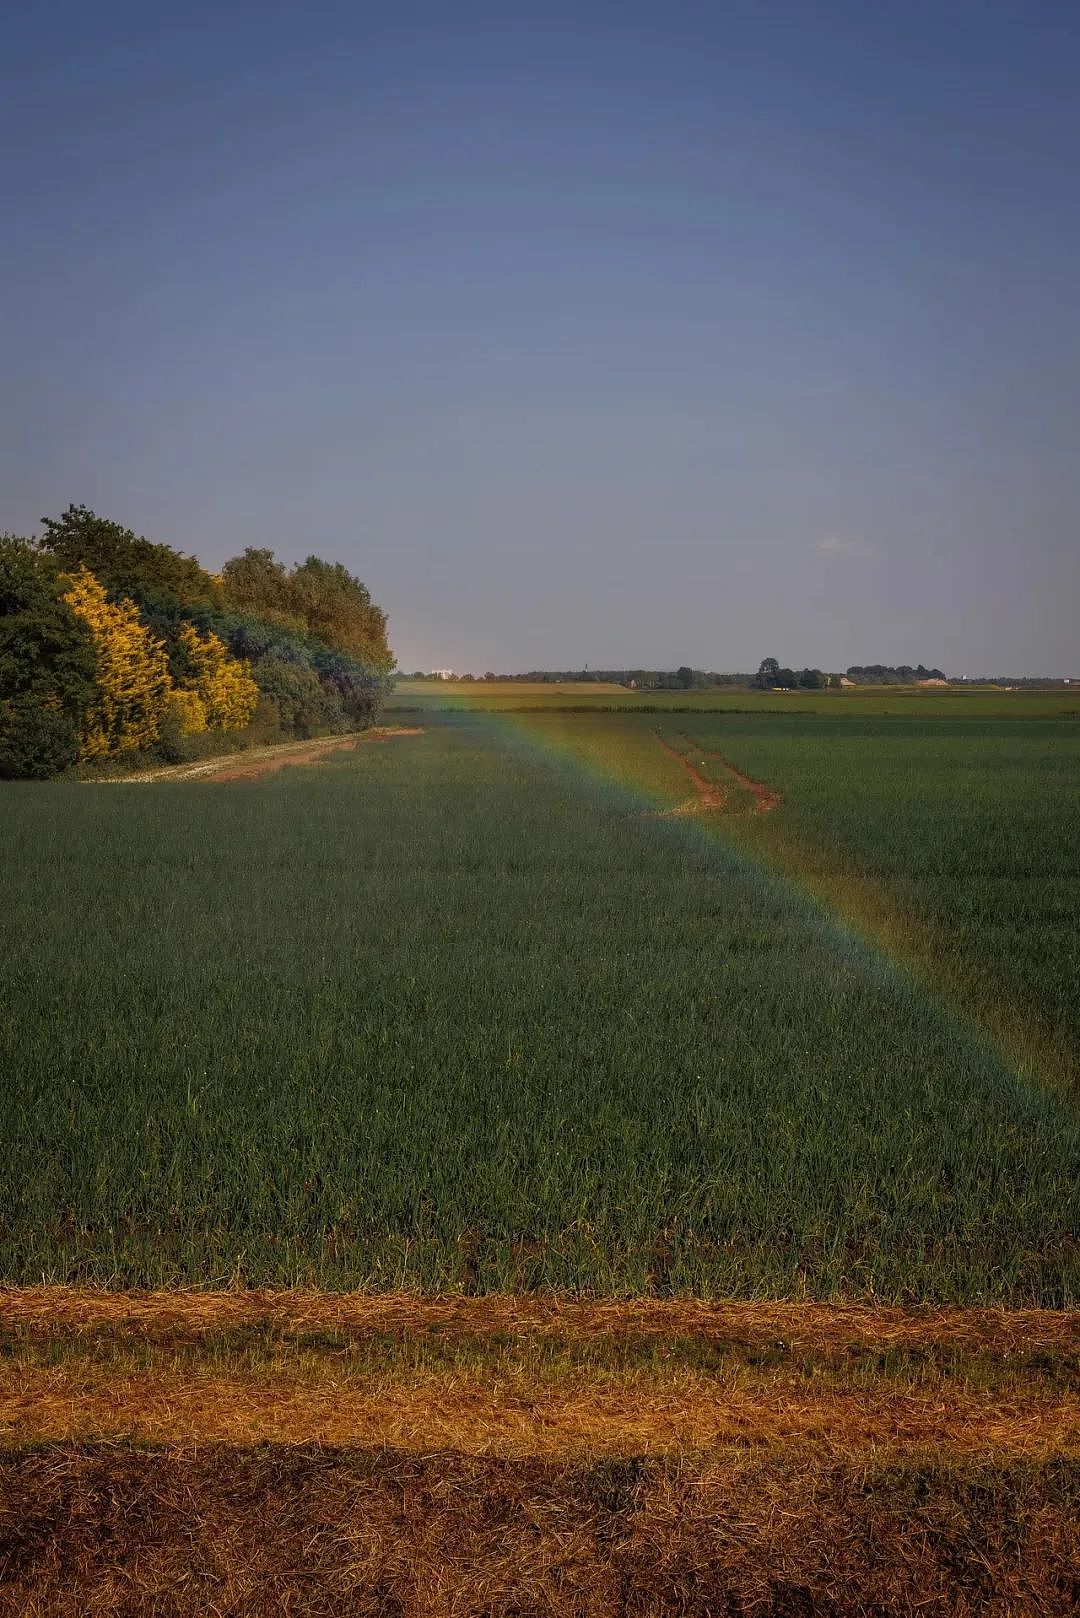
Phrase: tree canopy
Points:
(124, 563)
(47, 666)
(317, 598)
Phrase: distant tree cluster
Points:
(680, 679)
(882, 674)
(772, 677)
(112, 646)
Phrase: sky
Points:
(627, 335)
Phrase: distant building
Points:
(845, 682)
(933, 682)
(442, 674)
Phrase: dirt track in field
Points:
(710, 795)
(707, 794)
(312, 753)
(766, 798)
(260, 761)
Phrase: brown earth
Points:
(374, 1533)
(766, 798)
(707, 794)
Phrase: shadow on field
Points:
(315, 1531)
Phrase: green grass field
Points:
(466, 1011)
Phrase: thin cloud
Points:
(837, 545)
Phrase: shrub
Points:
(47, 666)
(37, 739)
(305, 706)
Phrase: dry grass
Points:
(304, 1453)
(533, 1376)
(565, 1416)
(804, 1326)
(312, 1531)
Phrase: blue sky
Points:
(636, 334)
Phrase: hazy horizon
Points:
(632, 336)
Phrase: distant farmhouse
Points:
(442, 674)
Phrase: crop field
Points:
(957, 701)
(554, 1160)
(469, 1010)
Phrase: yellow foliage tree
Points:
(133, 683)
(220, 683)
(190, 711)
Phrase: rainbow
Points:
(855, 921)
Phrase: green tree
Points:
(295, 701)
(321, 599)
(339, 610)
(768, 670)
(126, 564)
(256, 582)
(47, 666)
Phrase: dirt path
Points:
(260, 761)
(710, 795)
(707, 794)
(766, 798)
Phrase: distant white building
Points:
(442, 674)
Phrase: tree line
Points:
(116, 648)
(771, 676)
(680, 679)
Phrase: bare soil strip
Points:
(708, 795)
(50, 1310)
(381, 1534)
(260, 761)
(766, 798)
